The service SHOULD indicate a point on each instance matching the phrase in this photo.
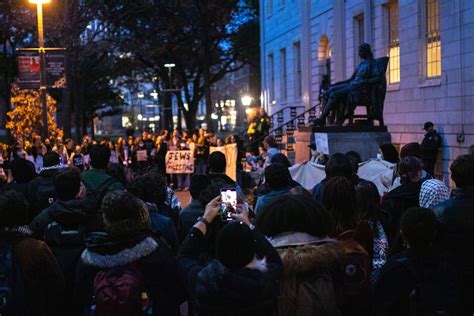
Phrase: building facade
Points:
(430, 76)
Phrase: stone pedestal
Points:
(365, 140)
(303, 139)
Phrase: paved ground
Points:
(184, 198)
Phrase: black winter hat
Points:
(124, 214)
(235, 245)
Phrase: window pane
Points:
(393, 44)
(433, 39)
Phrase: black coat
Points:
(216, 290)
(70, 214)
(45, 178)
(430, 146)
(152, 257)
(395, 203)
(456, 216)
(398, 280)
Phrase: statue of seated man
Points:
(336, 98)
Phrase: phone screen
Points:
(228, 203)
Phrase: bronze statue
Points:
(366, 86)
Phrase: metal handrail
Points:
(259, 139)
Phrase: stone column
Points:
(339, 38)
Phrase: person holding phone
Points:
(251, 285)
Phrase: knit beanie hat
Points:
(124, 214)
(235, 245)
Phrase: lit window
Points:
(393, 43)
(433, 39)
(297, 52)
(283, 72)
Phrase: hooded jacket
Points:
(152, 257)
(312, 271)
(68, 214)
(217, 290)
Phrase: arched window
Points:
(324, 56)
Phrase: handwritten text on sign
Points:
(179, 161)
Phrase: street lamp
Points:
(39, 11)
(246, 100)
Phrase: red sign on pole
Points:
(29, 68)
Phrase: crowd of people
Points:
(93, 230)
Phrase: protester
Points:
(271, 146)
(128, 249)
(403, 197)
(189, 215)
(355, 160)
(246, 261)
(151, 189)
(96, 178)
(420, 280)
(41, 192)
(368, 209)
(277, 178)
(298, 227)
(34, 276)
(217, 165)
(22, 171)
(65, 224)
(457, 225)
(337, 165)
(340, 199)
(389, 153)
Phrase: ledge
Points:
(393, 87)
(430, 83)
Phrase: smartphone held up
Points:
(228, 203)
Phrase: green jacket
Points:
(94, 178)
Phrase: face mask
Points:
(379, 156)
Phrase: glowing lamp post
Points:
(39, 10)
(246, 100)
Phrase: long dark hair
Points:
(389, 153)
(368, 200)
(340, 199)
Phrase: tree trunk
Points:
(66, 115)
(190, 119)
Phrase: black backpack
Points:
(45, 194)
(435, 291)
(12, 293)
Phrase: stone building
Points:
(430, 76)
